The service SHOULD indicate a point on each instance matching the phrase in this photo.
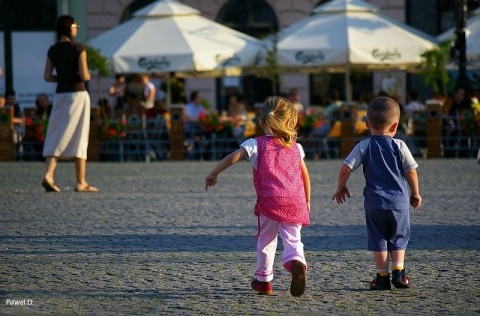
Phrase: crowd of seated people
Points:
(236, 121)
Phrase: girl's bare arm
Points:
(211, 178)
(306, 183)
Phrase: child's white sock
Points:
(397, 266)
(382, 272)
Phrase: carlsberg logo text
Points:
(386, 55)
(309, 57)
(149, 64)
(227, 61)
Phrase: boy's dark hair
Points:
(382, 111)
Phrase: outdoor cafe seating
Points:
(138, 138)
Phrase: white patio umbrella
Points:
(167, 36)
(472, 33)
(344, 34)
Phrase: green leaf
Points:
(432, 70)
(273, 68)
(97, 61)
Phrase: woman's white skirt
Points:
(68, 126)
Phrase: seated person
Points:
(2, 101)
(193, 110)
(294, 97)
(43, 108)
(149, 92)
(331, 114)
(18, 131)
(413, 105)
(10, 101)
(105, 109)
(134, 106)
(158, 109)
(237, 114)
(193, 126)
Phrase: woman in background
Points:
(69, 124)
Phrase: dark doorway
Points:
(255, 18)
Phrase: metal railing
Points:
(149, 140)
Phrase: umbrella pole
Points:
(169, 92)
(348, 85)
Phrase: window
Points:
(28, 15)
(253, 17)
(134, 6)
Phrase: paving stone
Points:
(153, 242)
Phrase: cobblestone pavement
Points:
(154, 242)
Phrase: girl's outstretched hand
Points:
(341, 194)
(210, 181)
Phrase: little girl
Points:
(282, 184)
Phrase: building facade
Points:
(254, 17)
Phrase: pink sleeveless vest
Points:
(278, 182)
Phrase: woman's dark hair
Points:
(64, 26)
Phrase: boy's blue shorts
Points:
(387, 230)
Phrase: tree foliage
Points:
(273, 68)
(97, 61)
(432, 70)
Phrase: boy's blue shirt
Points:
(385, 161)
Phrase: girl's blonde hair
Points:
(279, 117)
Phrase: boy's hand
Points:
(340, 195)
(210, 181)
(415, 201)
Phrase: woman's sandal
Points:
(87, 188)
(50, 186)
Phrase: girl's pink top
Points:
(278, 182)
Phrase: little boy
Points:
(387, 166)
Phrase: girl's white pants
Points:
(267, 246)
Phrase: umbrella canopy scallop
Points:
(348, 33)
(168, 36)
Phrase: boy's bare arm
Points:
(342, 190)
(412, 179)
(211, 178)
